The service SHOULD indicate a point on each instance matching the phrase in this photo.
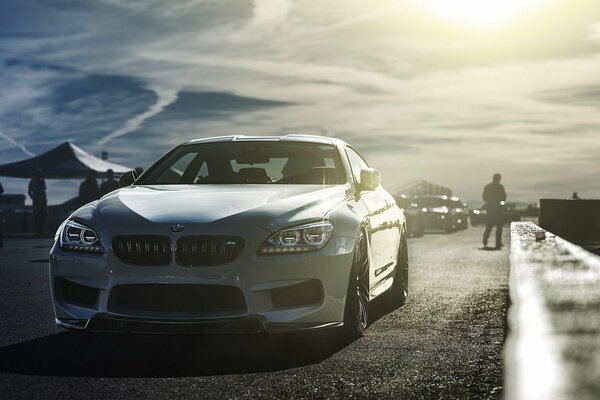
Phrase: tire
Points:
(449, 227)
(420, 232)
(399, 290)
(356, 310)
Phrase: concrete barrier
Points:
(553, 344)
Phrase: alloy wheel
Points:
(362, 283)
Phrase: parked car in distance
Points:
(478, 216)
(234, 234)
(461, 213)
(512, 213)
(412, 213)
(438, 212)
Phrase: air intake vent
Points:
(143, 250)
(198, 251)
(176, 300)
(68, 292)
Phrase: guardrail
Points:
(553, 344)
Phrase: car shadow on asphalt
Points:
(121, 355)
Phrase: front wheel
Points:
(356, 312)
(450, 226)
(399, 290)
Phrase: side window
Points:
(202, 173)
(356, 163)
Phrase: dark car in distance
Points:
(413, 215)
(438, 213)
(512, 213)
(461, 213)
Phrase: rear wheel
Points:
(356, 312)
(418, 231)
(450, 226)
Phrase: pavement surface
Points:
(445, 343)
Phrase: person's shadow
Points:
(487, 248)
(121, 355)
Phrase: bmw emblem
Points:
(176, 228)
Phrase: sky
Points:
(447, 91)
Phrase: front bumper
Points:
(252, 324)
(436, 220)
(263, 280)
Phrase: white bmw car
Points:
(234, 234)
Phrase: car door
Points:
(382, 224)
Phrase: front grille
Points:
(194, 251)
(176, 300)
(143, 250)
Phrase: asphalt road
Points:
(445, 343)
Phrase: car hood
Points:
(267, 206)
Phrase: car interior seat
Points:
(253, 175)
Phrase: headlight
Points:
(77, 237)
(309, 237)
(59, 230)
(443, 210)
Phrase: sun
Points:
(480, 13)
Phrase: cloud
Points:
(270, 12)
(422, 99)
(10, 140)
(584, 95)
(164, 97)
(594, 34)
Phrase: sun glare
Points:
(480, 13)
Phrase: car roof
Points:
(282, 138)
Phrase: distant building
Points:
(424, 188)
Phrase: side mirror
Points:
(127, 178)
(370, 178)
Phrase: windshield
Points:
(258, 162)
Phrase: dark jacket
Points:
(108, 186)
(37, 191)
(493, 195)
(88, 191)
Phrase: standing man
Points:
(494, 197)
(110, 184)
(88, 190)
(37, 192)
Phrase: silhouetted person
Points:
(1, 242)
(37, 192)
(494, 197)
(110, 184)
(88, 190)
(575, 196)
